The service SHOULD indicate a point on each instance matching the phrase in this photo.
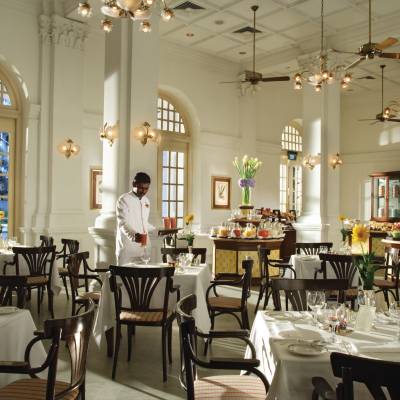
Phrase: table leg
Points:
(110, 341)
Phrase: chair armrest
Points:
(6, 264)
(39, 334)
(233, 363)
(225, 282)
(100, 270)
(240, 333)
(177, 289)
(322, 389)
(14, 367)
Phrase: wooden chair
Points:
(239, 387)
(46, 241)
(75, 331)
(139, 285)
(296, 290)
(374, 374)
(218, 305)
(69, 246)
(266, 277)
(75, 261)
(36, 258)
(313, 248)
(174, 252)
(390, 281)
(343, 267)
(10, 284)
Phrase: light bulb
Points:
(84, 9)
(330, 78)
(297, 77)
(347, 78)
(298, 85)
(325, 74)
(344, 84)
(318, 87)
(149, 2)
(145, 26)
(142, 13)
(167, 14)
(386, 112)
(106, 25)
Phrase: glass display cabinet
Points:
(385, 196)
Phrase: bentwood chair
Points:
(219, 305)
(296, 290)
(238, 387)
(79, 298)
(133, 305)
(174, 252)
(36, 259)
(313, 248)
(75, 331)
(10, 284)
(46, 241)
(374, 374)
(343, 267)
(390, 281)
(266, 276)
(69, 246)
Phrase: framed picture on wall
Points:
(96, 183)
(221, 192)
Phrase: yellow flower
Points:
(189, 218)
(360, 233)
(2, 214)
(342, 217)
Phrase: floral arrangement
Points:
(365, 264)
(247, 170)
(188, 234)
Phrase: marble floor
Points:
(141, 378)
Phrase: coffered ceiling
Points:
(290, 32)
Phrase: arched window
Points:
(290, 196)
(172, 160)
(6, 97)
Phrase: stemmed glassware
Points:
(145, 256)
(394, 312)
(315, 300)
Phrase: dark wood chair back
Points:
(10, 284)
(79, 268)
(313, 248)
(296, 290)
(36, 259)
(342, 265)
(140, 284)
(247, 265)
(263, 254)
(174, 252)
(374, 374)
(46, 241)
(69, 246)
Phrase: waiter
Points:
(133, 209)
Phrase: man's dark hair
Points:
(141, 177)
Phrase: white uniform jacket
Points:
(132, 217)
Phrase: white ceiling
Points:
(290, 31)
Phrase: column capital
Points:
(62, 31)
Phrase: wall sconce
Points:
(109, 133)
(336, 161)
(69, 148)
(310, 161)
(144, 134)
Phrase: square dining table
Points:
(289, 374)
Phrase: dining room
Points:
(199, 199)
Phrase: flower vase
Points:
(366, 297)
(246, 196)
(190, 249)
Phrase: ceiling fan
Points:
(254, 77)
(387, 113)
(370, 50)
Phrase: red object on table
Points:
(173, 222)
(167, 223)
(143, 239)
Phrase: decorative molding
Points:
(370, 157)
(34, 111)
(28, 7)
(62, 31)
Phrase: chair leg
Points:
(38, 299)
(64, 279)
(164, 352)
(267, 295)
(130, 333)
(245, 320)
(260, 296)
(208, 341)
(50, 301)
(116, 350)
(170, 343)
(386, 297)
(73, 307)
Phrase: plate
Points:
(8, 310)
(307, 349)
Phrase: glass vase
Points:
(366, 297)
(246, 196)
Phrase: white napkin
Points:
(391, 347)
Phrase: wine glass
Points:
(315, 300)
(331, 320)
(394, 312)
(145, 256)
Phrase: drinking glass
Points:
(315, 300)
(331, 320)
(394, 312)
(145, 256)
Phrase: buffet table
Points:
(228, 254)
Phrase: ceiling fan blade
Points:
(390, 55)
(276, 79)
(231, 82)
(345, 52)
(393, 120)
(367, 119)
(354, 63)
(376, 122)
(386, 43)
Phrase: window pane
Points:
(6, 100)
(4, 142)
(172, 209)
(165, 156)
(172, 175)
(171, 116)
(171, 126)
(173, 158)
(176, 127)
(180, 209)
(172, 192)
(165, 104)
(179, 223)
(180, 192)
(159, 102)
(165, 175)
(165, 192)
(181, 176)
(165, 209)
(181, 160)
(182, 128)
(165, 125)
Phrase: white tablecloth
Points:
(305, 267)
(8, 256)
(290, 375)
(16, 331)
(195, 280)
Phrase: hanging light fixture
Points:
(320, 73)
(310, 161)
(144, 134)
(336, 161)
(109, 133)
(68, 148)
(136, 10)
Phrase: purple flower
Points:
(247, 182)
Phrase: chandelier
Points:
(136, 10)
(320, 73)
